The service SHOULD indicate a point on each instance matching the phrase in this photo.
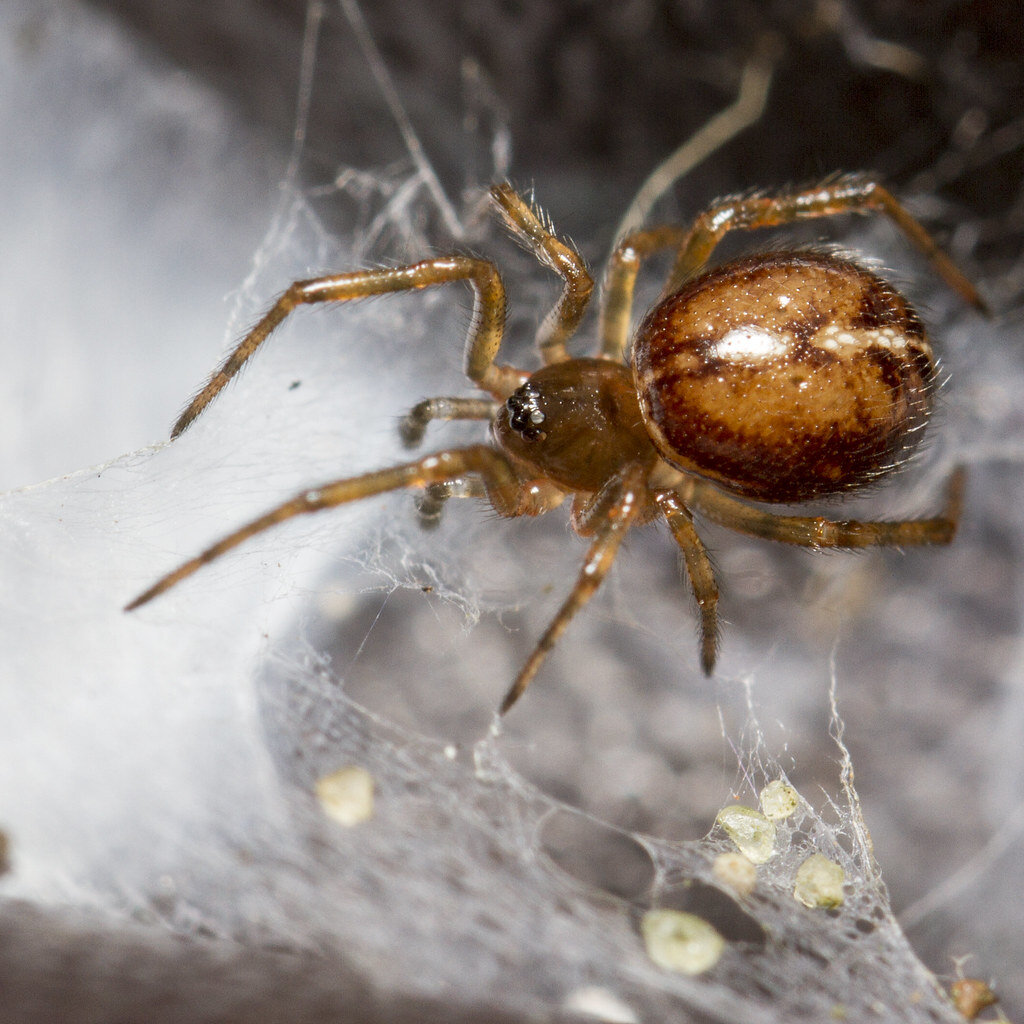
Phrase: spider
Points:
(779, 377)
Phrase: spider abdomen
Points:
(784, 377)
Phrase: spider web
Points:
(161, 767)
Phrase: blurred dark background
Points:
(927, 94)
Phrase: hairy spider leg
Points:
(855, 193)
(818, 532)
(502, 485)
(482, 340)
(619, 283)
(608, 516)
(532, 229)
(561, 322)
(700, 571)
(849, 193)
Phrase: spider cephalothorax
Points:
(779, 377)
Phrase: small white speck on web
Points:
(600, 1004)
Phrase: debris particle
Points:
(971, 996)
(347, 795)
(750, 830)
(779, 800)
(819, 882)
(737, 871)
(681, 942)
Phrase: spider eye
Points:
(525, 416)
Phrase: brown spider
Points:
(778, 377)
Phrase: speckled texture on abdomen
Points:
(784, 377)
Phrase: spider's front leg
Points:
(498, 480)
(482, 341)
(533, 229)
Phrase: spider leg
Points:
(414, 423)
(502, 486)
(700, 571)
(818, 532)
(482, 341)
(557, 255)
(619, 283)
(852, 193)
(620, 504)
(856, 193)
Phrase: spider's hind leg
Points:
(700, 571)
(848, 193)
(820, 532)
